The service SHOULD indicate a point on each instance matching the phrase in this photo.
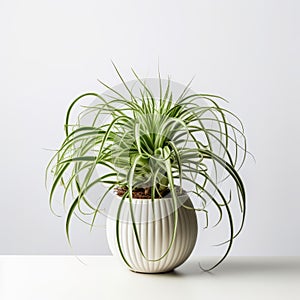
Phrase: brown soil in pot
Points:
(141, 193)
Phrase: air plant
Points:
(158, 145)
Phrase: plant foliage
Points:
(157, 144)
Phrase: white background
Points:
(52, 51)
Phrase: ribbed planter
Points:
(155, 227)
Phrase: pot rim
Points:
(183, 195)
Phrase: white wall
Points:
(52, 51)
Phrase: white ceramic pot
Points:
(155, 227)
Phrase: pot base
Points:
(141, 272)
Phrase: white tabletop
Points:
(102, 277)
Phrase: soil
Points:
(140, 193)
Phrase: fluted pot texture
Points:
(155, 226)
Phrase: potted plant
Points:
(158, 160)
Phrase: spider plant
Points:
(158, 144)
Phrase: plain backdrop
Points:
(52, 51)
